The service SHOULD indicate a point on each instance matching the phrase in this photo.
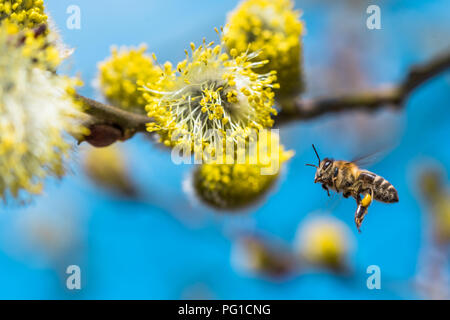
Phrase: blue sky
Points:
(168, 247)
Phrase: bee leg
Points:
(360, 213)
(334, 178)
(362, 209)
(367, 200)
(326, 188)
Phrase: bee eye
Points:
(326, 164)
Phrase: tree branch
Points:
(395, 96)
(109, 124)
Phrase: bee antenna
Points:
(316, 153)
(311, 165)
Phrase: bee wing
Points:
(375, 152)
(369, 159)
(366, 160)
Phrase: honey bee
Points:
(348, 178)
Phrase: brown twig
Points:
(395, 96)
(109, 124)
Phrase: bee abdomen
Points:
(384, 191)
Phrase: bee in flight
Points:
(348, 178)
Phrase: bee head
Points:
(323, 168)
(323, 172)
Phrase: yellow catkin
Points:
(120, 73)
(107, 168)
(273, 28)
(235, 186)
(266, 257)
(44, 54)
(324, 242)
(36, 112)
(437, 195)
(209, 90)
(29, 17)
(25, 13)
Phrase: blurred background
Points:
(149, 239)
